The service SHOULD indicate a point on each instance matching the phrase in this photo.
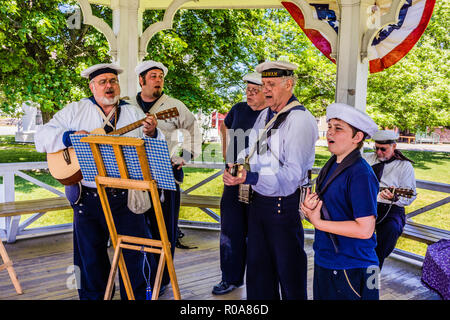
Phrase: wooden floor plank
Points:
(42, 263)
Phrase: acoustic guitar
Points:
(63, 165)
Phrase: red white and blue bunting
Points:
(390, 44)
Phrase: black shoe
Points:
(223, 287)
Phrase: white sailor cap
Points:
(357, 118)
(271, 69)
(149, 65)
(101, 68)
(385, 136)
(253, 78)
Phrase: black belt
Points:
(277, 198)
(111, 191)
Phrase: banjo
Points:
(400, 192)
(63, 165)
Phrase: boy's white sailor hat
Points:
(357, 118)
(150, 65)
(99, 69)
(253, 78)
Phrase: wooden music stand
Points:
(8, 265)
(123, 241)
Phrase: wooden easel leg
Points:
(173, 276)
(112, 273)
(7, 263)
(165, 241)
(113, 234)
(159, 274)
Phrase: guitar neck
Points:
(166, 114)
(403, 192)
(128, 128)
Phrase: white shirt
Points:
(284, 166)
(184, 123)
(398, 173)
(83, 115)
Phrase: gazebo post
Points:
(128, 14)
(352, 70)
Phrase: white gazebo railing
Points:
(11, 227)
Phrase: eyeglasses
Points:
(112, 82)
(383, 149)
(154, 77)
(252, 91)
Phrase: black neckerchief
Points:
(263, 144)
(378, 168)
(349, 160)
(146, 106)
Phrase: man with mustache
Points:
(281, 151)
(90, 232)
(152, 99)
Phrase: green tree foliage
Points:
(41, 58)
(207, 53)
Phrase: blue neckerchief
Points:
(121, 103)
(271, 114)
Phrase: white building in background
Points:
(209, 126)
(26, 127)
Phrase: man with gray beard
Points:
(90, 232)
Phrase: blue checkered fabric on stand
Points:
(157, 156)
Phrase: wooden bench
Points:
(408, 138)
(16, 208)
(425, 234)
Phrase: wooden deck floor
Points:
(43, 267)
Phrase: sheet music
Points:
(157, 156)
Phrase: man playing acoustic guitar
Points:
(90, 232)
(393, 170)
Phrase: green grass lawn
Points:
(431, 166)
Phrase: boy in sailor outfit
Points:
(343, 211)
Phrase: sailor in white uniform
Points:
(392, 169)
(152, 99)
(90, 235)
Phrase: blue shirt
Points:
(351, 195)
(239, 119)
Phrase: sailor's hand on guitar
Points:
(233, 180)
(386, 194)
(81, 132)
(149, 125)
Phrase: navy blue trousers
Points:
(171, 211)
(388, 230)
(354, 284)
(233, 236)
(90, 238)
(275, 254)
